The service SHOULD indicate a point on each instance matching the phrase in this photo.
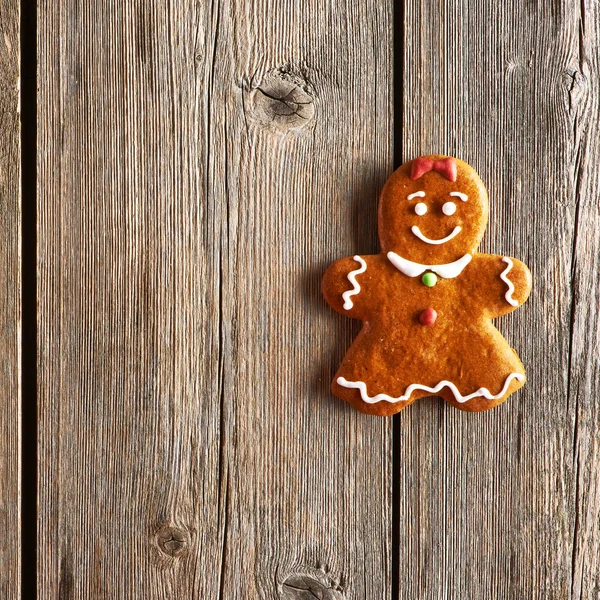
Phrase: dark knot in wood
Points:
(282, 101)
(172, 541)
(306, 587)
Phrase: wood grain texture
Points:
(506, 504)
(199, 166)
(10, 305)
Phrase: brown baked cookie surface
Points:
(428, 299)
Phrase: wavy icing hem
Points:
(348, 304)
(481, 392)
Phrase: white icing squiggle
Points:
(416, 195)
(460, 195)
(413, 269)
(348, 304)
(481, 392)
(416, 231)
(509, 283)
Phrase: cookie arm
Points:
(344, 285)
(503, 283)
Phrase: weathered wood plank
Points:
(584, 358)
(506, 504)
(10, 306)
(189, 445)
(317, 473)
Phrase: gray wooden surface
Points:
(10, 303)
(199, 166)
(506, 504)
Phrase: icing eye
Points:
(421, 208)
(449, 208)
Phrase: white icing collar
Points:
(413, 269)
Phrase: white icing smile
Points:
(416, 231)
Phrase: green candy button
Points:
(429, 279)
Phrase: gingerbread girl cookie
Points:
(428, 299)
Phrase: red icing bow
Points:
(445, 167)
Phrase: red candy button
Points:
(428, 316)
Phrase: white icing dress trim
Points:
(481, 392)
(413, 269)
(416, 231)
(509, 283)
(348, 304)
(460, 195)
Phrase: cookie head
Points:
(433, 210)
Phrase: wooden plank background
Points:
(506, 504)
(10, 304)
(199, 166)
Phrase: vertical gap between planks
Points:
(398, 110)
(28, 109)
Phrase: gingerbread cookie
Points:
(428, 299)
